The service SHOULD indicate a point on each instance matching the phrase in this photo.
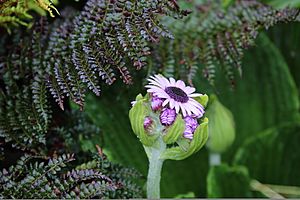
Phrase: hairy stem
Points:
(155, 166)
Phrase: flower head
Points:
(176, 94)
(167, 116)
(156, 103)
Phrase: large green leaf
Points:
(273, 156)
(265, 96)
(286, 38)
(224, 181)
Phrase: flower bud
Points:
(167, 116)
(192, 122)
(190, 126)
(222, 126)
(156, 103)
(188, 132)
(147, 123)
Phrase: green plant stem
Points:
(214, 159)
(155, 167)
(285, 189)
(267, 191)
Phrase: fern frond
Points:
(24, 97)
(125, 177)
(16, 13)
(214, 38)
(101, 43)
(46, 179)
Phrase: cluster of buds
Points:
(173, 113)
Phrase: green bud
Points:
(184, 149)
(137, 116)
(221, 126)
(175, 131)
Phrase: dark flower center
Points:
(177, 94)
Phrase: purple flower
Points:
(190, 126)
(175, 93)
(167, 116)
(156, 103)
(147, 123)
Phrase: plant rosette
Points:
(169, 121)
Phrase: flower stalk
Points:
(155, 167)
(214, 159)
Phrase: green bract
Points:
(182, 152)
(137, 115)
(203, 100)
(175, 131)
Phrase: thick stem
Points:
(155, 166)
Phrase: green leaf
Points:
(175, 131)
(273, 155)
(221, 126)
(199, 139)
(288, 48)
(224, 181)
